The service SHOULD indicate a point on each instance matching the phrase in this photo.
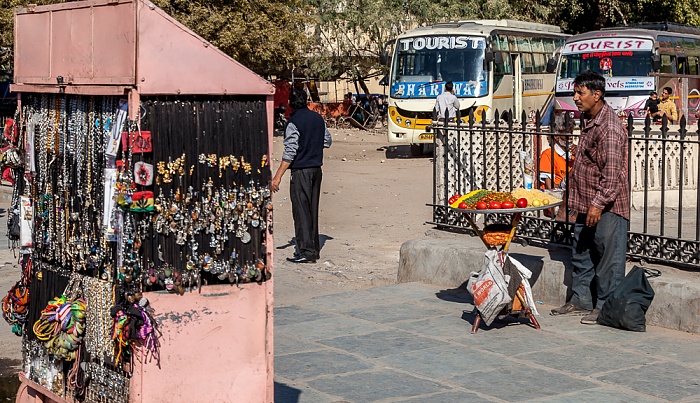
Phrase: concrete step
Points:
(448, 259)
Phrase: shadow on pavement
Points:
(402, 151)
(459, 295)
(286, 394)
(500, 322)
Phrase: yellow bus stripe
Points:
(536, 94)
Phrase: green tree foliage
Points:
(264, 35)
(350, 35)
(327, 38)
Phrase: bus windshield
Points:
(423, 64)
(609, 64)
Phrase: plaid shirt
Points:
(600, 173)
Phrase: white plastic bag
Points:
(526, 274)
(489, 288)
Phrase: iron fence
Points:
(664, 169)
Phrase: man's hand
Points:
(593, 215)
(275, 184)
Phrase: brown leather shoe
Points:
(591, 318)
(569, 309)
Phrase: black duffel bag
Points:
(628, 304)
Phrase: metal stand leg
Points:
(534, 321)
(477, 321)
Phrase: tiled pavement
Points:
(412, 343)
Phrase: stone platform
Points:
(446, 259)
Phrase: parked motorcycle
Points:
(280, 119)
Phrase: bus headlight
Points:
(399, 120)
(408, 123)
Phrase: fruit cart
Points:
(497, 239)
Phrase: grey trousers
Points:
(599, 254)
(305, 192)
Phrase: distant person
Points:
(667, 106)
(447, 101)
(560, 155)
(652, 103)
(599, 194)
(305, 138)
(556, 163)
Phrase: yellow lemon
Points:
(536, 203)
(545, 202)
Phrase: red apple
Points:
(522, 202)
(507, 204)
(494, 205)
(463, 205)
(482, 205)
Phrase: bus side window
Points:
(682, 65)
(693, 65)
(504, 67)
(540, 62)
(668, 64)
(528, 66)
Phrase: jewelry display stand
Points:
(520, 305)
(215, 339)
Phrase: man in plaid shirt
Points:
(600, 198)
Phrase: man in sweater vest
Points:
(305, 137)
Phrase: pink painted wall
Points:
(216, 346)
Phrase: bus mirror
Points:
(384, 58)
(551, 65)
(656, 62)
(488, 58)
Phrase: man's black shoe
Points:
(300, 259)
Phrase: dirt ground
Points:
(373, 199)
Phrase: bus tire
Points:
(416, 150)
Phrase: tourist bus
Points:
(494, 64)
(634, 60)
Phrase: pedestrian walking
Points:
(600, 198)
(447, 101)
(305, 138)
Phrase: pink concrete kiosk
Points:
(144, 215)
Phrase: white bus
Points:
(634, 60)
(494, 64)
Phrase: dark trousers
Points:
(305, 191)
(599, 253)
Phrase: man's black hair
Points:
(449, 86)
(669, 90)
(297, 99)
(591, 80)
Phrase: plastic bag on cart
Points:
(526, 274)
(489, 287)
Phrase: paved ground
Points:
(412, 343)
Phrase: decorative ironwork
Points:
(664, 173)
